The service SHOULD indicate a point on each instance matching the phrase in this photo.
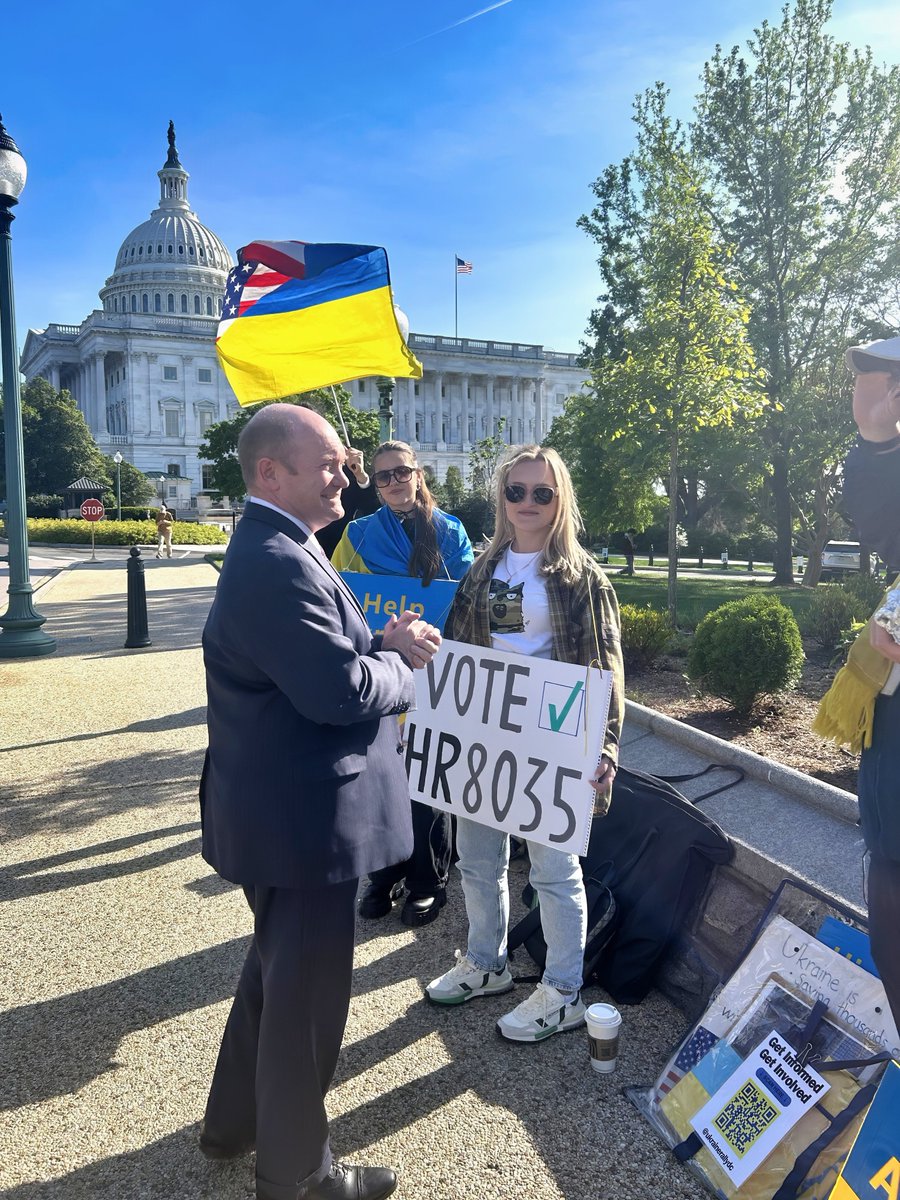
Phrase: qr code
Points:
(746, 1116)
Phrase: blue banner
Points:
(872, 1170)
(386, 596)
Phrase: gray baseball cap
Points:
(883, 355)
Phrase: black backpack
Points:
(648, 865)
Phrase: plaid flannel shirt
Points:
(573, 635)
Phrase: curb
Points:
(813, 792)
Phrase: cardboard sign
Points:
(509, 741)
(872, 1169)
(757, 1106)
(386, 596)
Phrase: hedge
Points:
(121, 533)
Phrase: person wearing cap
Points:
(872, 500)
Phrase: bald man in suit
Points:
(303, 792)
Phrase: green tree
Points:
(483, 459)
(454, 488)
(220, 446)
(57, 444)
(135, 486)
(802, 140)
(674, 320)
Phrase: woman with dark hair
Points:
(408, 535)
(533, 591)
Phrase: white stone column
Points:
(99, 390)
(464, 411)
(515, 404)
(411, 385)
(437, 409)
(54, 377)
(539, 416)
(488, 407)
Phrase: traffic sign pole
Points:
(93, 511)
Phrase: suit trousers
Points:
(283, 1035)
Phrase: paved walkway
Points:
(122, 950)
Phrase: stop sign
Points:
(92, 510)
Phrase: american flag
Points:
(250, 280)
(463, 267)
(696, 1047)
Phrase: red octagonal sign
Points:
(92, 510)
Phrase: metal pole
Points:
(137, 634)
(119, 491)
(385, 409)
(21, 635)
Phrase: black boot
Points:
(378, 900)
(422, 910)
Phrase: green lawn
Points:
(697, 597)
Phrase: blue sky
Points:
(399, 123)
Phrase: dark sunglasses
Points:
(542, 494)
(401, 474)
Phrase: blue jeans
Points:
(557, 879)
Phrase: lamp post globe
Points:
(21, 635)
(117, 459)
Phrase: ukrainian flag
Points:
(298, 316)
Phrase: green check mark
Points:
(558, 718)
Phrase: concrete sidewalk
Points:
(123, 951)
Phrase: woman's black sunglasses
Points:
(542, 494)
(401, 474)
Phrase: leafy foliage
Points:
(122, 533)
(645, 635)
(135, 486)
(56, 442)
(745, 649)
(220, 446)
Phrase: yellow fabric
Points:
(846, 712)
(277, 354)
(345, 557)
(843, 1191)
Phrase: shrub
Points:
(645, 635)
(745, 649)
(831, 610)
(121, 533)
(866, 589)
(43, 506)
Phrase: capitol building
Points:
(143, 368)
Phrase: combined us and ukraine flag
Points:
(301, 315)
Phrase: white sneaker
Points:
(546, 1011)
(465, 981)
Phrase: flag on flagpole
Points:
(301, 315)
(463, 267)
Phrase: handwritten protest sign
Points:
(757, 1106)
(509, 741)
(384, 596)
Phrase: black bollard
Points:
(650, 556)
(138, 634)
(700, 559)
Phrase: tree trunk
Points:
(673, 526)
(784, 530)
(814, 561)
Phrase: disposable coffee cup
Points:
(603, 1021)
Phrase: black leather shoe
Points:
(422, 910)
(221, 1150)
(377, 900)
(353, 1183)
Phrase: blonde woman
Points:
(534, 591)
(408, 535)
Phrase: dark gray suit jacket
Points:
(304, 783)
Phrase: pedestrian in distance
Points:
(534, 591)
(164, 525)
(303, 791)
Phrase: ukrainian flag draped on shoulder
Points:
(299, 315)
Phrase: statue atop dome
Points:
(172, 160)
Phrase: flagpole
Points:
(455, 297)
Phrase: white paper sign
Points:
(509, 741)
(756, 1106)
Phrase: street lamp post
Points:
(162, 490)
(385, 409)
(117, 459)
(21, 635)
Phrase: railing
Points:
(118, 439)
(476, 346)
